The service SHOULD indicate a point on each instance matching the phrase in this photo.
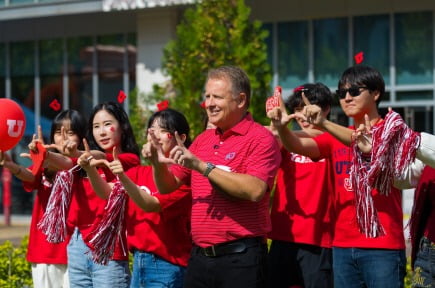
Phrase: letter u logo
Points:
(15, 127)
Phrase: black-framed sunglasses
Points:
(353, 91)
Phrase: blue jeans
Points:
(424, 266)
(83, 272)
(371, 268)
(151, 271)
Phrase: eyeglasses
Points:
(353, 91)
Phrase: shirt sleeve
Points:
(426, 151)
(176, 203)
(324, 142)
(30, 186)
(264, 159)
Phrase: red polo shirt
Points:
(247, 148)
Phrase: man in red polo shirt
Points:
(231, 170)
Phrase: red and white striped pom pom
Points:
(366, 214)
(109, 229)
(394, 147)
(53, 222)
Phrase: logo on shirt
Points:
(230, 156)
(348, 185)
(303, 159)
(147, 190)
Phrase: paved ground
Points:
(16, 231)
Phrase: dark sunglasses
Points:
(353, 91)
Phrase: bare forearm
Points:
(58, 161)
(142, 199)
(165, 181)
(240, 186)
(20, 172)
(343, 134)
(101, 187)
(299, 145)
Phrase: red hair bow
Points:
(163, 105)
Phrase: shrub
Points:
(15, 271)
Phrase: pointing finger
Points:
(40, 135)
(367, 123)
(178, 139)
(305, 99)
(115, 153)
(86, 145)
(63, 133)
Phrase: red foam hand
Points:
(38, 157)
(274, 101)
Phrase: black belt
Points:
(232, 247)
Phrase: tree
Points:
(214, 33)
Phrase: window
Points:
(414, 95)
(22, 65)
(292, 54)
(414, 48)
(330, 50)
(80, 68)
(132, 58)
(15, 2)
(371, 36)
(51, 72)
(2, 70)
(110, 55)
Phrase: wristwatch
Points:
(210, 167)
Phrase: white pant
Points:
(50, 276)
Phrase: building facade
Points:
(77, 53)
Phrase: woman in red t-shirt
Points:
(158, 225)
(49, 260)
(110, 128)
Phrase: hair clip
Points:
(359, 57)
(299, 88)
(121, 96)
(55, 105)
(163, 105)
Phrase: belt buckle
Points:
(209, 251)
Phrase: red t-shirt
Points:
(167, 233)
(87, 208)
(389, 208)
(247, 148)
(301, 209)
(39, 250)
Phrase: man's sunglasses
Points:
(353, 91)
